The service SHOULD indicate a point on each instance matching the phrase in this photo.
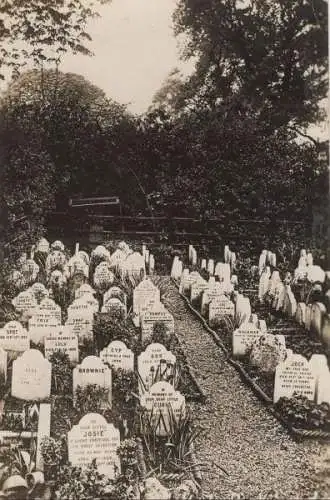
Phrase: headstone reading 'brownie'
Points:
(163, 403)
(63, 340)
(92, 371)
(117, 355)
(149, 363)
(219, 308)
(13, 337)
(31, 376)
(94, 439)
(243, 338)
(294, 375)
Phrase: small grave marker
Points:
(294, 375)
(31, 376)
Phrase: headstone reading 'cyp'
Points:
(13, 337)
(92, 371)
(95, 439)
(117, 355)
(63, 340)
(163, 403)
(294, 375)
(31, 377)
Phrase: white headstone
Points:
(31, 377)
(84, 289)
(318, 312)
(242, 310)
(301, 313)
(42, 323)
(153, 316)
(243, 338)
(203, 264)
(95, 439)
(149, 362)
(42, 246)
(25, 302)
(294, 375)
(158, 401)
(92, 371)
(117, 355)
(210, 266)
(115, 307)
(63, 340)
(3, 362)
(143, 293)
(13, 337)
(219, 308)
(49, 306)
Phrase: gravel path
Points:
(241, 436)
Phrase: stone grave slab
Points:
(25, 302)
(92, 371)
(149, 362)
(42, 323)
(63, 340)
(13, 337)
(153, 316)
(115, 308)
(117, 355)
(243, 338)
(294, 375)
(219, 308)
(31, 376)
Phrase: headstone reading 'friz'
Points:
(163, 403)
(118, 355)
(294, 375)
(94, 439)
(31, 377)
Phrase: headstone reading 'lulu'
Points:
(92, 371)
(13, 337)
(63, 340)
(163, 403)
(149, 362)
(94, 439)
(219, 308)
(31, 377)
(243, 338)
(117, 355)
(294, 375)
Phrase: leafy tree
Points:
(267, 55)
(42, 31)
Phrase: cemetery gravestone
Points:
(49, 306)
(31, 376)
(157, 401)
(40, 291)
(115, 292)
(294, 375)
(317, 314)
(63, 340)
(3, 362)
(243, 309)
(95, 439)
(301, 313)
(156, 315)
(25, 302)
(220, 308)
(84, 289)
(143, 293)
(115, 308)
(42, 323)
(92, 371)
(243, 338)
(117, 355)
(197, 288)
(319, 366)
(149, 362)
(13, 337)
(325, 333)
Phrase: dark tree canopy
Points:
(270, 54)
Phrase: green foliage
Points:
(61, 373)
(91, 398)
(106, 330)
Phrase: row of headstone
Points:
(266, 258)
(306, 270)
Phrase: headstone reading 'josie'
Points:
(294, 375)
(31, 377)
(92, 371)
(117, 355)
(94, 439)
(63, 340)
(163, 403)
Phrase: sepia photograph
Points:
(164, 250)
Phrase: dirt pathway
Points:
(241, 436)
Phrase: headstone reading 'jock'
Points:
(294, 375)
(94, 439)
(92, 371)
(117, 355)
(13, 337)
(42, 323)
(243, 338)
(31, 377)
(162, 403)
(219, 308)
(150, 362)
(156, 315)
(63, 340)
